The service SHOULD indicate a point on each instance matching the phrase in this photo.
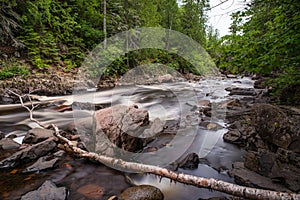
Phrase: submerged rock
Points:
(210, 125)
(47, 191)
(142, 192)
(91, 191)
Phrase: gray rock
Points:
(233, 137)
(272, 124)
(210, 125)
(41, 164)
(48, 191)
(142, 192)
(241, 91)
(167, 78)
(28, 154)
(37, 135)
(249, 178)
(191, 161)
(8, 144)
(60, 153)
(231, 76)
(2, 135)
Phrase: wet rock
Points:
(167, 78)
(142, 192)
(46, 192)
(204, 103)
(37, 135)
(249, 178)
(241, 91)
(210, 125)
(232, 137)
(191, 161)
(260, 84)
(117, 123)
(8, 144)
(215, 198)
(272, 125)
(290, 95)
(43, 163)
(91, 191)
(231, 103)
(29, 154)
(155, 127)
(60, 154)
(2, 135)
(231, 76)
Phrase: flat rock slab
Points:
(249, 178)
(37, 135)
(8, 144)
(42, 163)
(28, 154)
(46, 192)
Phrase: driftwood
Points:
(209, 183)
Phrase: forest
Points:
(37, 34)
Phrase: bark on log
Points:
(209, 183)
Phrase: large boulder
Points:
(272, 125)
(142, 192)
(122, 126)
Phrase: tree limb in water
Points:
(30, 110)
(209, 183)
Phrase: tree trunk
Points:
(104, 25)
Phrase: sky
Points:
(219, 17)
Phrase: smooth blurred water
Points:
(166, 101)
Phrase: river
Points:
(168, 101)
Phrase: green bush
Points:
(9, 69)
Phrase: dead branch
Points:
(30, 110)
(209, 183)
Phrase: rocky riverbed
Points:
(269, 135)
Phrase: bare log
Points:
(209, 183)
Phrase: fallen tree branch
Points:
(30, 110)
(209, 183)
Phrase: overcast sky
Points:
(219, 17)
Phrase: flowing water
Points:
(169, 101)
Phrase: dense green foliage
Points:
(264, 36)
(265, 39)
(61, 33)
